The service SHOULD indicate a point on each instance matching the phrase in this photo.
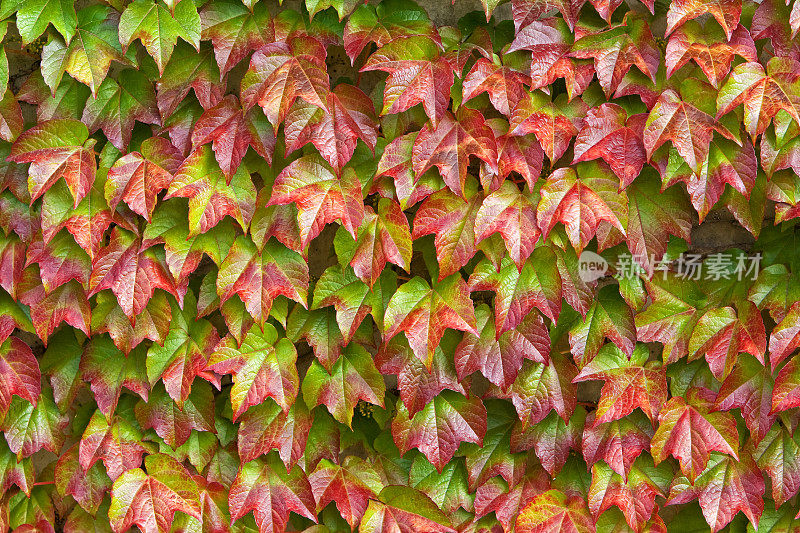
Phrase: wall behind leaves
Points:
(334, 267)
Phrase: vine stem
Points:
(38, 483)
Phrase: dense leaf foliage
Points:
(338, 267)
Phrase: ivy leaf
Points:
(726, 12)
(350, 486)
(152, 323)
(131, 272)
(653, 216)
(87, 223)
(281, 72)
(88, 488)
(231, 131)
(553, 510)
(15, 472)
(119, 104)
(540, 388)
(504, 85)
(107, 370)
(55, 149)
(449, 145)
(785, 337)
(351, 298)
(787, 387)
(29, 428)
(265, 487)
(448, 490)
(763, 92)
(722, 334)
(320, 196)
(172, 423)
(384, 237)
(707, 47)
(258, 277)
(418, 385)
(687, 127)
(618, 49)
(266, 426)
(510, 213)
(60, 261)
(778, 454)
(451, 219)
(629, 383)
(353, 377)
(582, 198)
(608, 133)
(211, 195)
(526, 11)
(618, 443)
(724, 488)
(506, 502)
(499, 359)
(34, 17)
(235, 30)
(399, 506)
(88, 57)
(672, 316)
(319, 329)
(19, 373)
(689, 432)
(635, 496)
(418, 74)
(608, 318)
(749, 387)
(184, 353)
(150, 500)
(423, 313)
(67, 303)
(158, 28)
(118, 443)
(553, 439)
(263, 366)
(349, 115)
(554, 123)
(383, 23)
(441, 427)
(189, 70)
(137, 178)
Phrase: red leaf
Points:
(320, 196)
(19, 373)
(55, 149)
(281, 72)
(437, 431)
(607, 133)
(117, 443)
(417, 74)
(629, 383)
(349, 115)
(689, 432)
(424, 313)
(726, 12)
(150, 500)
(232, 131)
(131, 272)
(540, 388)
(582, 198)
(499, 358)
(137, 178)
(265, 487)
(553, 511)
(618, 443)
(449, 145)
(726, 487)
